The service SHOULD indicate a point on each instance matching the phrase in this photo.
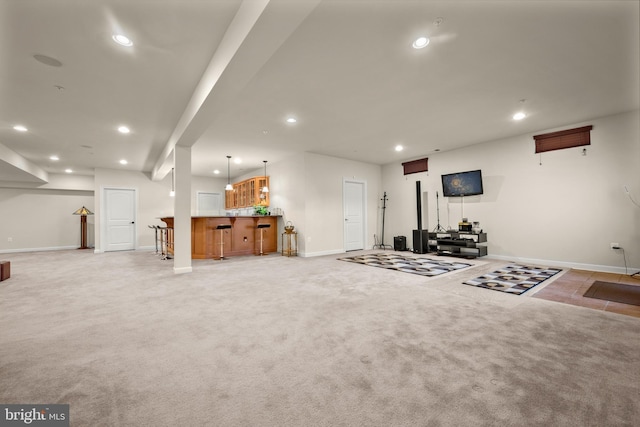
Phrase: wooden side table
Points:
(290, 243)
(5, 270)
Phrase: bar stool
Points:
(222, 227)
(261, 228)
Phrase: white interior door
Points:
(120, 219)
(354, 215)
(208, 204)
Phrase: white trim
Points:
(182, 270)
(52, 248)
(321, 253)
(67, 248)
(564, 264)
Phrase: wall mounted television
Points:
(462, 184)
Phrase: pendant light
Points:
(229, 187)
(172, 193)
(265, 189)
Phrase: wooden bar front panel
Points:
(243, 238)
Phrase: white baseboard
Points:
(322, 253)
(564, 264)
(541, 262)
(66, 248)
(53, 248)
(182, 270)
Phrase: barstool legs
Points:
(221, 244)
(261, 230)
(222, 227)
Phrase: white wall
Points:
(40, 217)
(307, 188)
(154, 201)
(287, 194)
(324, 214)
(37, 219)
(565, 211)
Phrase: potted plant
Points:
(260, 210)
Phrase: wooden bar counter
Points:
(243, 238)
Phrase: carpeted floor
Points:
(277, 341)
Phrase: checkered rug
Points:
(407, 264)
(514, 278)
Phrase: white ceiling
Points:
(345, 69)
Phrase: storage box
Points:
(5, 270)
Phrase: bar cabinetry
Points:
(246, 194)
(243, 238)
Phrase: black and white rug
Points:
(514, 278)
(407, 263)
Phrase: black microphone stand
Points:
(439, 228)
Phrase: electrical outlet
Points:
(615, 245)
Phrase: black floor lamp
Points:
(83, 212)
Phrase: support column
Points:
(182, 210)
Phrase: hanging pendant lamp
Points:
(229, 187)
(265, 189)
(172, 193)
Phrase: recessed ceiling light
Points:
(20, 128)
(216, 171)
(124, 129)
(123, 162)
(291, 120)
(237, 160)
(54, 158)
(122, 40)
(68, 171)
(520, 114)
(399, 148)
(420, 42)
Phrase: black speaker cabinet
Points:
(421, 241)
(400, 243)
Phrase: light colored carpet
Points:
(276, 341)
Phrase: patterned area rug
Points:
(407, 264)
(514, 278)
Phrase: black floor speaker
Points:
(421, 241)
(400, 243)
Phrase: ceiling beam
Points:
(254, 35)
(17, 168)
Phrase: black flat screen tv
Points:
(462, 184)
